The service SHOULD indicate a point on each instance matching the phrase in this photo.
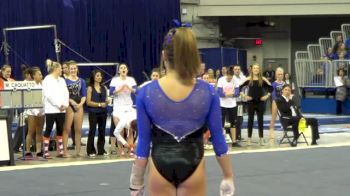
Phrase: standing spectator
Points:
(56, 101)
(217, 74)
(5, 76)
(155, 75)
(276, 93)
(75, 112)
(342, 83)
(97, 101)
(36, 118)
(223, 70)
(256, 99)
(212, 79)
(65, 69)
(22, 124)
(123, 112)
(65, 74)
(239, 79)
(288, 80)
(201, 70)
(228, 90)
(269, 74)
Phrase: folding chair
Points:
(288, 137)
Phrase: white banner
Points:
(20, 85)
(4, 145)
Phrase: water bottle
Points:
(302, 125)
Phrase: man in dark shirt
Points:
(269, 73)
(290, 115)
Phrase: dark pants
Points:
(50, 119)
(339, 107)
(314, 128)
(259, 108)
(230, 114)
(100, 120)
(294, 121)
(18, 138)
(239, 121)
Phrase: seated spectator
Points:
(328, 54)
(319, 77)
(340, 53)
(290, 115)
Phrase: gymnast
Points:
(172, 114)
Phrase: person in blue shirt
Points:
(172, 114)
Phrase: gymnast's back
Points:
(178, 118)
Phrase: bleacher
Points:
(315, 72)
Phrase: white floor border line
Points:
(94, 162)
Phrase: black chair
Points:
(290, 137)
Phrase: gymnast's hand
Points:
(227, 187)
(137, 181)
(137, 192)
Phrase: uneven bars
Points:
(29, 27)
(97, 64)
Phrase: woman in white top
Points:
(35, 117)
(228, 90)
(56, 101)
(123, 112)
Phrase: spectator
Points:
(36, 118)
(201, 70)
(5, 76)
(290, 115)
(256, 98)
(123, 112)
(75, 112)
(56, 101)
(276, 93)
(288, 80)
(269, 74)
(228, 90)
(212, 79)
(342, 83)
(223, 70)
(239, 79)
(97, 102)
(155, 75)
(329, 54)
(217, 74)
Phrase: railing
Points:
(302, 55)
(325, 43)
(314, 51)
(314, 73)
(345, 28)
(319, 73)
